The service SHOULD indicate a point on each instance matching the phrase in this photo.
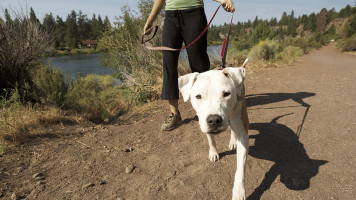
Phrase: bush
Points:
(347, 44)
(22, 44)
(290, 54)
(51, 84)
(94, 96)
(265, 50)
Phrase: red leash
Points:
(162, 48)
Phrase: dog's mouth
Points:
(216, 131)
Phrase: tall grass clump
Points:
(96, 97)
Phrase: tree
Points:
(262, 32)
(107, 24)
(60, 32)
(322, 17)
(49, 22)
(284, 19)
(84, 27)
(8, 19)
(312, 24)
(71, 37)
(33, 17)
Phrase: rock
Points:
(129, 169)
(14, 196)
(37, 175)
(102, 182)
(121, 198)
(40, 183)
(39, 178)
(173, 173)
(88, 185)
(129, 150)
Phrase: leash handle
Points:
(143, 41)
(160, 48)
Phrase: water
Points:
(84, 64)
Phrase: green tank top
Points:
(183, 4)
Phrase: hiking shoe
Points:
(172, 122)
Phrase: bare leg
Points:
(173, 106)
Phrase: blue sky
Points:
(246, 9)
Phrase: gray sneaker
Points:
(172, 122)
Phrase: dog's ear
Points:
(236, 74)
(185, 83)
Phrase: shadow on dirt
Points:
(267, 98)
(279, 144)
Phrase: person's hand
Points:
(228, 5)
(146, 30)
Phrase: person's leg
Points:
(173, 106)
(171, 37)
(194, 24)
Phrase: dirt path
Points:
(302, 146)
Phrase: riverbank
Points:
(69, 51)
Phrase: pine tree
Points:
(322, 17)
(83, 26)
(33, 17)
(60, 32)
(71, 37)
(284, 19)
(8, 19)
(107, 24)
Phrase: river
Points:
(83, 64)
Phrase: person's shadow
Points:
(267, 98)
(279, 144)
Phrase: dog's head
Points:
(213, 95)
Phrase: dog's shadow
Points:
(278, 143)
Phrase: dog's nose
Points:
(214, 121)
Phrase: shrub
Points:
(290, 54)
(347, 44)
(94, 96)
(51, 84)
(236, 57)
(265, 50)
(10, 105)
(22, 44)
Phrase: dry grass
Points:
(30, 121)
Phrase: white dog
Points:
(218, 97)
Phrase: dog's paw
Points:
(238, 193)
(232, 144)
(213, 155)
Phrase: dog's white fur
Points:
(221, 93)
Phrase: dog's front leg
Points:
(213, 152)
(238, 192)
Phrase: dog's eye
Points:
(198, 96)
(226, 94)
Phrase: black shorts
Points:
(183, 26)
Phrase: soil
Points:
(302, 146)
